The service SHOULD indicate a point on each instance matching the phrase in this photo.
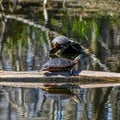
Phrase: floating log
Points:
(84, 79)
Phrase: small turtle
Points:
(60, 64)
(62, 45)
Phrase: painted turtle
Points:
(60, 64)
(62, 45)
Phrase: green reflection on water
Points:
(23, 46)
(26, 45)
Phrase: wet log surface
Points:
(85, 79)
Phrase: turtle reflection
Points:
(57, 94)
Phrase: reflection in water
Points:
(94, 104)
(27, 46)
(24, 45)
(24, 48)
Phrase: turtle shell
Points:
(57, 64)
(61, 40)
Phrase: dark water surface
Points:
(25, 41)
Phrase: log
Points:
(39, 79)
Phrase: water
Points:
(25, 41)
(34, 104)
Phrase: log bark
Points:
(84, 79)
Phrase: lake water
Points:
(83, 104)
(25, 40)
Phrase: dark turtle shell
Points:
(61, 45)
(61, 40)
(58, 64)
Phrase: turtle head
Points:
(56, 45)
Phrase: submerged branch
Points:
(23, 20)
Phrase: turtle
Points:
(62, 45)
(60, 64)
